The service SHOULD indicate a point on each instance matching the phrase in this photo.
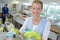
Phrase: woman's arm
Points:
(46, 31)
(24, 26)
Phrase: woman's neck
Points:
(36, 20)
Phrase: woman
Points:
(36, 23)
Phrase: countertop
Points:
(3, 37)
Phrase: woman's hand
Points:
(41, 39)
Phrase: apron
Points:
(40, 28)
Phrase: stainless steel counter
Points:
(3, 37)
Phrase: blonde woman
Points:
(36, 23)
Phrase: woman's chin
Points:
(35, 16)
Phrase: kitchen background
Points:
(51, 10)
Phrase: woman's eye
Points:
(36, 8)
(33, 8)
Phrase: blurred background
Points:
(21, 9)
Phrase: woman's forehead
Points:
(36, 4)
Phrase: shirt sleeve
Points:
(46, 31)
(24, 26)
(7, 10)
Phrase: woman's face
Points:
(36, 9)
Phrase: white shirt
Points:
(34, 27)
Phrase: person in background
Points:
(5, 11)
(36, 23)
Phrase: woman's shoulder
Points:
(46, 20)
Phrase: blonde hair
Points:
(38, 1)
